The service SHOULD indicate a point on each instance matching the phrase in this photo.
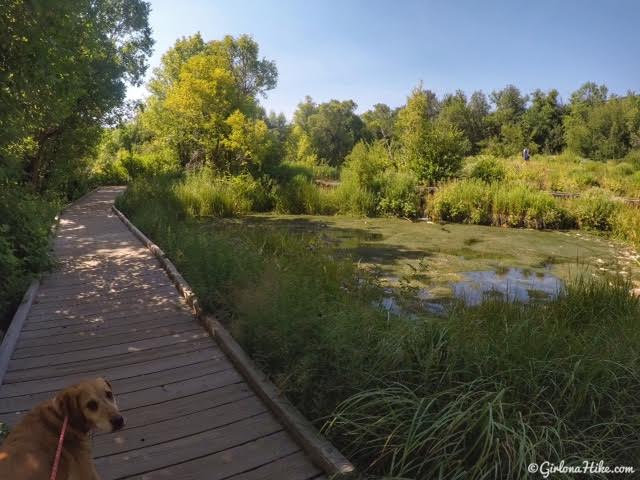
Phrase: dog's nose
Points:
(117, 422)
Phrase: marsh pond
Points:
(428, 265)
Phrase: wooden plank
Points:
(116, 373)
(97, 353)
(188, 404)
(130, 358)
(72, 271)
(13, 333)
(100, 323)
(179, 389)
(122, 316)
(85, 299)
(96, 342)
(103, 331)
(62, 311)
(147, 414)
(104, 277)
(175, 427)
(89, 296)
(292, 467)
(193, 446)
(121, 387)
(226, 463)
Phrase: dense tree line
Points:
(204, 109)
(64, 67)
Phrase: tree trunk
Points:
(35, 161)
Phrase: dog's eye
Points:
(109, 395)
(92, 405)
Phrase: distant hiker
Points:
(526, 154)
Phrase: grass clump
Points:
(595, 210)
(499, 204)
(488, 169)
(203, 194)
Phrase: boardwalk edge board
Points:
(316, 446)
(15, 328)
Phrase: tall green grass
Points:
(500, 204)
(509, 204)
(476, 395)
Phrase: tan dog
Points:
(29, 450)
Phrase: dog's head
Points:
(90, 404)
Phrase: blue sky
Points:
(376, 51)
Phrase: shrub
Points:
(463, 201)
(595, 210)
(203, 194)
(586, 179)
(488, 169)
(500, 204)
(302, 196)
(520, 206)
(437, 152)
(624, 169)
(370, 184)
(633, 157)
(324, 171)
(25, 224)
(626, 224)
(398, 195)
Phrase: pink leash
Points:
(56, 461)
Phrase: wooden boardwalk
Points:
(110, 310)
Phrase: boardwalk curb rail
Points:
(15, 328)
(321, 451)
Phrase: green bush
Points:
(204, 194)
(463, 201)
(516, 205)
(25, 224)
(398, 195)
(438, 152)
(633, 157)
(595, 210)
(324, 171)
(488, 169)
(586, 179)
(624, 169)
(500, 204)
(370, 184)
(626, 224)
(302, 196)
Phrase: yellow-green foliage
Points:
(626, 224)
(302, 195)
(500, 204)
(595, 210)
(372, 185)
(203, 194)
(564, 173)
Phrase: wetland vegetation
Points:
(402, 274)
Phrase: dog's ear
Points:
(68, 403)
(108, 383)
